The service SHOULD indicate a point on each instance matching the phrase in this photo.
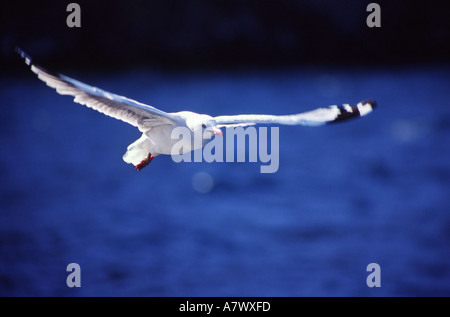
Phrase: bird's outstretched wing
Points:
(316, 117)
(133, 112)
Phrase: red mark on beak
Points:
(217, 131)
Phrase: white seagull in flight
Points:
(157, 125)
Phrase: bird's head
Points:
(203, 123)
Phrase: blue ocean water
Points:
(373, 190)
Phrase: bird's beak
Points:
(216, 131)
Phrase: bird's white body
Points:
(160, 139)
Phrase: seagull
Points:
(157, 125)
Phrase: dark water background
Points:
(370, 190)
(373, 190)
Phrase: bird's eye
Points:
(204, 126)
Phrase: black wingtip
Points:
(24, 55)
(371, 102)
(359, 110)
